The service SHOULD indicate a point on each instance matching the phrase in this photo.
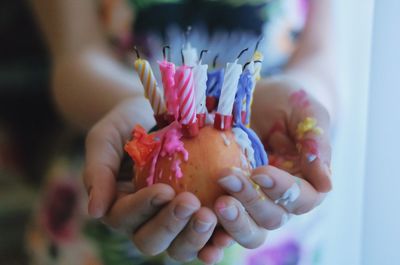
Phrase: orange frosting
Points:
(142, 146)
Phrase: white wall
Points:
(344, 205)
(381, 231)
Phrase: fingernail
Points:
(231, 183)
(229, 213)
(183, 211)
(159, 200)
(264, 181)
(201, 226)
(95, 211)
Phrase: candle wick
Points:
(137, 52)
(241, 53)
(183, 58)
(245, 65)
(164, 51)
(258, 42)
(215, 61)
(201, 55)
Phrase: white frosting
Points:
(210, 117)
(291, 195)
(245, 144)
(225, 138)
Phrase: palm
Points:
(291, 125)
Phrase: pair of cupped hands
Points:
(157, 219)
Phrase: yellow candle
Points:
(151, 90)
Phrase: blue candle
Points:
(214, 83)
(243, 94)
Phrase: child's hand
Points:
(154, 217)
(295, 130)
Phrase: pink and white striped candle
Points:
(167, 70)
(185, 87)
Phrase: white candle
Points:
(229, 88)
(190, 55)
(200, 86)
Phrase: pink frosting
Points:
(167, 70)
(171, 144)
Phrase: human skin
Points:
(98, 95)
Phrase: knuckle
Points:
(271, 223)
(145, 247)
(302, 209)
(180, 256)
(256, 240)
(250, 199)
(170, 228)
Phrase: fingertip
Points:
(189, 198)
(96, 207)
(319, 175)
(164, 189)
(211, 255)
(221, 239)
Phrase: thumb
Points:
(103, 155)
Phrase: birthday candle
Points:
(151, 90)
(229, 88)
(258, 58)
(190, 55)
(200, 86)
(185, 87)
(244, 94)
(167, 70)
(214, 82)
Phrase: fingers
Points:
(237, 223)
(132, 210)
(262, 209)
(211, 254)
(311, 127)
(194, 237)
(221, 239)
(103, 155)
(293, 194)
(156, 235)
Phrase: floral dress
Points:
(61, 232)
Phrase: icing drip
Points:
(173, 145)
(260, 156)
(176, 168)
(170, 145)
(291, 195)
(142, 146)
(245, 144)
(244, 92)
(225, 138)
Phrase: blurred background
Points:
(360, 216)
